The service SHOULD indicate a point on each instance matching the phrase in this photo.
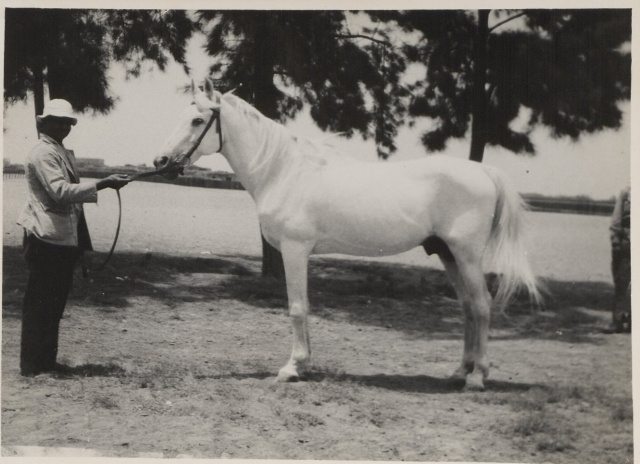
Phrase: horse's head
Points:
(195, 135)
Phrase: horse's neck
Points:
(257, 151)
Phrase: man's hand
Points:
(114, 181)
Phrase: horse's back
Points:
(426, 180)
(387, 208)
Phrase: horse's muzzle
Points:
(167, 168)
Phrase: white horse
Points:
(312, 200)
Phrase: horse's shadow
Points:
(400, 383)
(419, 383)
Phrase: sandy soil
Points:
(173, 349)
(175, 357)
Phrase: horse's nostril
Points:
(161, 161)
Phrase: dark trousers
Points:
(621, 269)
(50, 277)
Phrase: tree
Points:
(569, 68)
(281, 60)
(70, 51)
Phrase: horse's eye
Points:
(197, 121)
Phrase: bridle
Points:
(215, 116)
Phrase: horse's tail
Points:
(506, 244)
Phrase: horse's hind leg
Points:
(468, 357)
(468, 280)
(476, 302)
(296, 257)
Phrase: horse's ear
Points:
(208, 97)
(208, 88)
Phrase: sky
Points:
(133, 133)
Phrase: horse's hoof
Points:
(456, 382)
(474, 383)
(458, 378)
(473, 387)
(286, 376)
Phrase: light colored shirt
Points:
(55, 195)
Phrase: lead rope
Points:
(140, 175)
(214, 116)
(85, 268)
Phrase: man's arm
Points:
(49, 171)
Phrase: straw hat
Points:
(58, 108)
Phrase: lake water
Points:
(192, 221)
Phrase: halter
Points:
(215, 116)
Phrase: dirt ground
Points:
(175, 357)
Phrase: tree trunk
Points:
(264, 101)
(38, 90)
(272, 264)
(479, 121)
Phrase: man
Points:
(55, 234)
(621, 262)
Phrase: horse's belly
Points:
(378, 226)
(366, 246)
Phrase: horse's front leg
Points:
(296, 259)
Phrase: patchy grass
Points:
(179, 356)
(103, 401)
(621, 411)
(548, 418)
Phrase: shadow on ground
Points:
(399, 383)
(419, 383)
(89, 370)
(412, 299)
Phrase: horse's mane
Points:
(315, 150)
(243, 106)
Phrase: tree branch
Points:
(360, 36)
(491, 29)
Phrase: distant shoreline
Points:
(206, 179)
